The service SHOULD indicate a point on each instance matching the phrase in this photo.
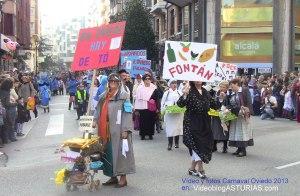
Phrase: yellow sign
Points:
(247, 14)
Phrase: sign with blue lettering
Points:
(139, 66)
(132, 59)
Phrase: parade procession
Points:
(150, 97)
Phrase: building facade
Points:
(99, 13)
(20, 21)
(118, 6)
(66, 39)
(258, 35)
(8, 30)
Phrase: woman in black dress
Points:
(197, 134)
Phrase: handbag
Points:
(31, 103)
(244, 111)
(97, 165)
(152, 105)
(128, 107)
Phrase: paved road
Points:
(32, 162)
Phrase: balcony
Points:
(158, 8)
(180, 3)
(116, 10)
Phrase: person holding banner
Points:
(114, 128)
(173, 121)
(240, 131)
(146, 102)
(197, 133)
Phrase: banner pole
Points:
(91, 93)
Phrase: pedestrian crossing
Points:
(55, 125)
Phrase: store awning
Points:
(180, 3)
(254, 65)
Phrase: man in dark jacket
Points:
(81, 101)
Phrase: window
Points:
(172, 21)
(157, 27)
(179, 28)
(32, 11)
(163, 22)
(32, 28)
(297, 32)
(8, 24)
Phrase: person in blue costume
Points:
(102, 87)
(55, 86)
(45, 95)
(72, 88)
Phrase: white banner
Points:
(225, 71)
(86, 123)
(190, 61)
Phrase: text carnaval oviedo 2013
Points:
(277, 180)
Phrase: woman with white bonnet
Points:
(173, 121)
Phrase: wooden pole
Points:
(91, 93)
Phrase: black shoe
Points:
(20, 134)
(202, 174)
(224, 150)
(241, 154)
(13, 140)
(176, 146)
(193, 172)
(236, 152)
(214, 149)
(169, 147)
(112, 181)
(150, 137)
(121, 185)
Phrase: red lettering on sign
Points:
(172, 71)
(186, 67)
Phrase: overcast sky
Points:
(54, 12)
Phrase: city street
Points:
(33, 161)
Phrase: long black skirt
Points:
(198, 136)
(217, 130)
(147, 122)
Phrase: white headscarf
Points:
(171, 81)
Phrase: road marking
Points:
(58, 109)
(56, 125)
(288, 165)
(65, 103)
